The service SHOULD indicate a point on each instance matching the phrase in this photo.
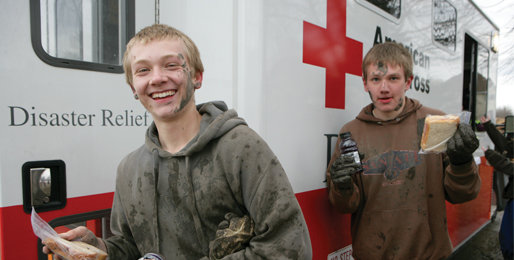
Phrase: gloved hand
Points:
(233, 233)
(342, 170)
(462, 144)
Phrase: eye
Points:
(173, 66)
(142, 70)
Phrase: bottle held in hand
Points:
(349, 149)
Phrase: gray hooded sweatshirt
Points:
(172, 203)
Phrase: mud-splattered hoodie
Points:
(398, 201)
(172, 203)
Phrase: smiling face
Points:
(161, 77)
(386, 85)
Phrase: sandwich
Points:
(74, 250)
(437, 131)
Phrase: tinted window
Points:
(392, 7)
(476, 76)
(83, 34)
(482, 78)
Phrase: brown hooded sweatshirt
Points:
(398, 201)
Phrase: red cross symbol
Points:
(330, 48)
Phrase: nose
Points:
(383, 86)
(158, 77)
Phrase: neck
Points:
(177, 133)
(387, 115)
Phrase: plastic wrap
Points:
(71, 250)
(438, 129)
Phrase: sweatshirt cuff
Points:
(463, 168)
(493, 157)
(461, 160)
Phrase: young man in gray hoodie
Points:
(204, 185)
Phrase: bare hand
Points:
(484, 120)
(81, 234)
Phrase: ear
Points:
(408, 82)
(365, 84)
(198, 80)
(133, 89)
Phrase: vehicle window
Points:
(82, 34)
(390, 9)
(482, 78)
(444, 24)
(476, 77)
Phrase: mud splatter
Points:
(422, 211)
(382, 236)
(190, 89)
(400, 105)
(420, 126)
(411, 173)
(181, 56)
(381, 67)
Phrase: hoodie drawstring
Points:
(196, 216)
(155, 155)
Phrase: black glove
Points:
(462, 144)
(232, 235)
(342, 170)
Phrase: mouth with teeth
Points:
(163, 94)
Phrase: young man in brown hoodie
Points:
(397, 197)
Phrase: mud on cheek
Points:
(181, 77)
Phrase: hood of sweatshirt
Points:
(366, 114)
(217, 119)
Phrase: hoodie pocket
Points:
(392, 234)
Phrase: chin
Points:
(385, 109)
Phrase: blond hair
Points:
(160, 32)
(389, 53)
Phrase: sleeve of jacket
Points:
(344, 202)
(121, 245)
(461, 182)
(280, 228)
(500, 142)
(499, 162)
